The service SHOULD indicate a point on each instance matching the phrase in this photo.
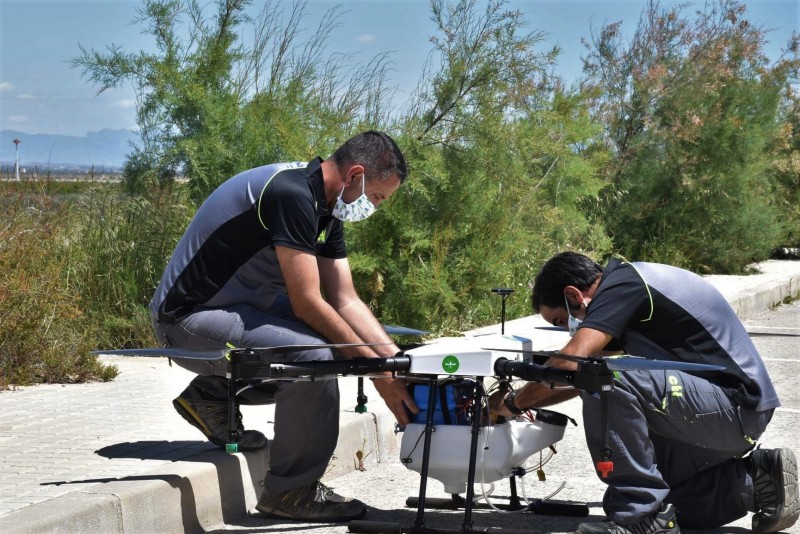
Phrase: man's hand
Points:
(496, 405)
(395, 394)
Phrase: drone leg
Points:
(419, 523)
(473, 453)
(604, 464)
(233, 432)
(361, 398)
(513, 501)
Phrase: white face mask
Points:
(572, 322)
(358, 210)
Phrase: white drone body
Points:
(465, 356)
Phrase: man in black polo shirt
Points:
(679, 441)
(263, 263)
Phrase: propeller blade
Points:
(217, 354)
(636, 363)
(198, 354)
(623, 363)
(403, 331)
(552, 328)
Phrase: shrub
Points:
(117, 248)
(44, 335)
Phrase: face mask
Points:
(572, 322)
(358, 210)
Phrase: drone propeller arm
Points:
(590, 375)
(354, 366)
(533, 372)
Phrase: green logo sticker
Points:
(450, 364)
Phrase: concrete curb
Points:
(758, 300)
(778, 281)
(185, 497)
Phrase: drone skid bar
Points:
(382, 527)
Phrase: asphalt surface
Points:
(115, 457)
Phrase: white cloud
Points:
(6, 86)
(26, 96)
(124, 103)
(18, 119)
(366, 38)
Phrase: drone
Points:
(429, 447)
(443, 441)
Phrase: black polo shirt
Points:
(663, 312)
(227, 254)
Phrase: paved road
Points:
(385, 486)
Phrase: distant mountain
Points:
(103, 149)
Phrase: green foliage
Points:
(118, 247)
(45, 335)
(479, 138)
(78, 270)
(213, 103)
(682, 145)
(785, 170)
(496, 169)
(692, 114)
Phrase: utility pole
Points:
(16, 162)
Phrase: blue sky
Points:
(41, 93)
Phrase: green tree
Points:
(786, 168)
(226, 92)
(502, 158)
(692, 114)
(496, 152)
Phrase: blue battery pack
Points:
(453, 402)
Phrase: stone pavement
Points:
(115, 457)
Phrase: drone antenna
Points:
(504, 292)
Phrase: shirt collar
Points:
(317, 184)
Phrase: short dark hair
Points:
(562, 270)
(376, 151)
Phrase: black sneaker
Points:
(774, 474)
(660, 522)
(211, 418)
(315, 503)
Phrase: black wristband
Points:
(509, 403)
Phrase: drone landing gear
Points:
(379, 527)
(232, 446)
(539, 507)
(467, 504)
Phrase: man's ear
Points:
(573, 294)
(353, 172)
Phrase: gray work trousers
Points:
(306, 412)
(677, 438)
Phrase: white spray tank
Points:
(501, 448)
